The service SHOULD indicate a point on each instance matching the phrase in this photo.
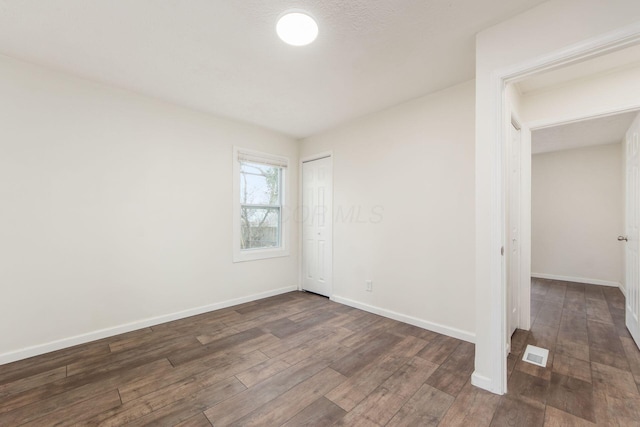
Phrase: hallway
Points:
(593, 372)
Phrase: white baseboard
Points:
(39, 349)
(577, 279)
(425, 324)
(623, 290)
(482, 382)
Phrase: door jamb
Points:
(524, 282)
(517, 124)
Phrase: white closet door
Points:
(317, 235)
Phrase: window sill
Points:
(258, 254)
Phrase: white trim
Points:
(424, 324)
(577, 279)
(240, 255)
(524, 281)
(589, 48)
(251, 156)
(482, 382)
(606, 112)
(316, 156)
(525, 229)
(39, 349)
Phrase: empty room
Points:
(318, 213)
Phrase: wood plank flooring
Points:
(592, 375)
(301, 360)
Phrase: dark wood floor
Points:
(593, 373)
(298, 359)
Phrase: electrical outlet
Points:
(369, 284)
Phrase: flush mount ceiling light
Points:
(297, 29)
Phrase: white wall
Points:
(577, 213)
(610, 92)
(413, 164)
(543, 30)
(116, 208)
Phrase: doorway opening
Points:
(569, 69)
(576, 299)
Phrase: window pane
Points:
(259, 184)
(260, 227)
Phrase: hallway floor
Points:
(593, 372)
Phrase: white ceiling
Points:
(223, 56)
(599, 131)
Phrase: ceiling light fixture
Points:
(297, 29)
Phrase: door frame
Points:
(300, 213)
(521, 283)
(590, 48)
(524, 284)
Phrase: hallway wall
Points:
(577, 213)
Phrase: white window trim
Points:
(240, 255)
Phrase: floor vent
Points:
(536, 355)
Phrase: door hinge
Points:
(502, 250)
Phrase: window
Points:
(260, 205)
(259, 201)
